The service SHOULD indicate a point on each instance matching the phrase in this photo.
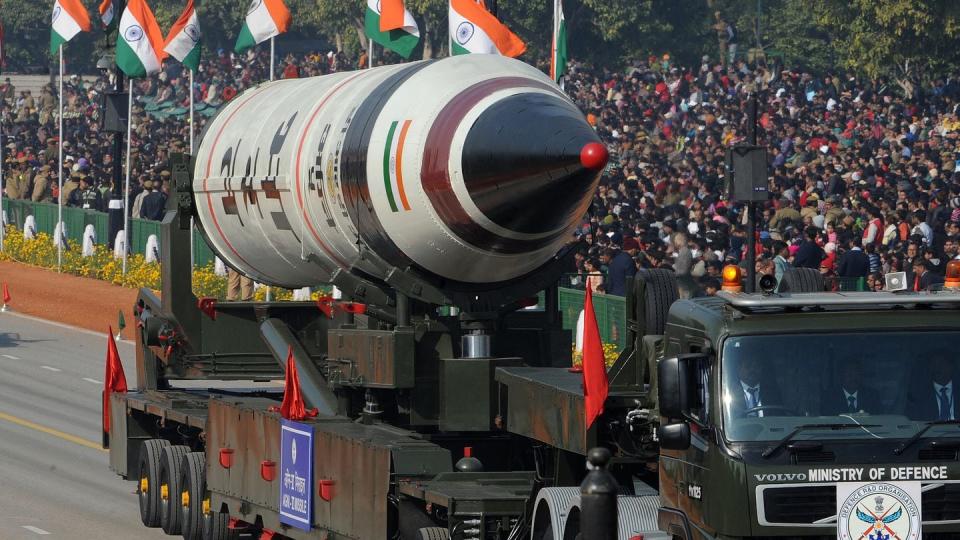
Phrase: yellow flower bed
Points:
(610, 353)
(40, 251)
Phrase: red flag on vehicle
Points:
(113, 381)
(293, 407)
(595, 384)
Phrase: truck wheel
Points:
(434, 533)
(193, 495)
(659, 291)
(148, 485)
(170, 459)
(801, 280)
(216, 526)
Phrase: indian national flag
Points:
(390, 24)
(475, 30)
(558, 63)
(183, 43)
(139, 41)
(393, 166)
(69, 19)
(265, 19)
(108, 14)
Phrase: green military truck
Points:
(793, 415)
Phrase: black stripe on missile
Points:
(435, 172)
(353, 168)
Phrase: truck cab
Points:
(773, 406)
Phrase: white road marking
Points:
(35, 530)
(51, 368)
(62, 325)
(94, 381)
(9, 356)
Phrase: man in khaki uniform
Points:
(18, 182)
(70, 185)
(239, 286)
(42, 186)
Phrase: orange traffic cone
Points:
(6, 298)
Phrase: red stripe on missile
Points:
(435, 173)
(303, 138)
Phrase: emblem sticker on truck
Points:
(878, 511)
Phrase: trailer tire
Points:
(193, 482)
(216, 526)
(801, 280)
(660, 291)
(170, 460)
(434, 533)
(148, 484)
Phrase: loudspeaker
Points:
(114, 112)
(895, 281)
(747, 173)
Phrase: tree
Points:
(900, 38)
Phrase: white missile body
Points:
(364, 171)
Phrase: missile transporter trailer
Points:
(466, 423)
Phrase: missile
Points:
(466, 172)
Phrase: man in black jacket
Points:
(854, 263)
(934, 395)
(850, 396)
(620, 266)
(925, 275)
(810, 254)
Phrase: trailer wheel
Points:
(659, 291)
(216, 526)
(170, 460)
(148, 484)
(801, 280)
(193, 495)
(434, 533)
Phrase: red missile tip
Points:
(594, 156)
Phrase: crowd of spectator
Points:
(29, 125)
(862, 172)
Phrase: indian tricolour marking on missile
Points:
(393, 165)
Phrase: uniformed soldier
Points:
(70, 186)
(239, 286)
(42, 191)
(86, 196)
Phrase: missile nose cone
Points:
(594, 156)
(531, 163)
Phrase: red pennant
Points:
(6, 294)
(293, 407)
(114, 380)
(325, 305)
(595, 384)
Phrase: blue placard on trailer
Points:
(296, 474)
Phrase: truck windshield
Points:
(895, 382)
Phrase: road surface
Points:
(54, 476)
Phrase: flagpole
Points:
(272, 52)
(3, 221)
(192, 254)
(553, 46)
(60, 173)
(369, 54)
(126, 185)
(191, 112)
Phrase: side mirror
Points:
(676, 384)
(674, 436)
